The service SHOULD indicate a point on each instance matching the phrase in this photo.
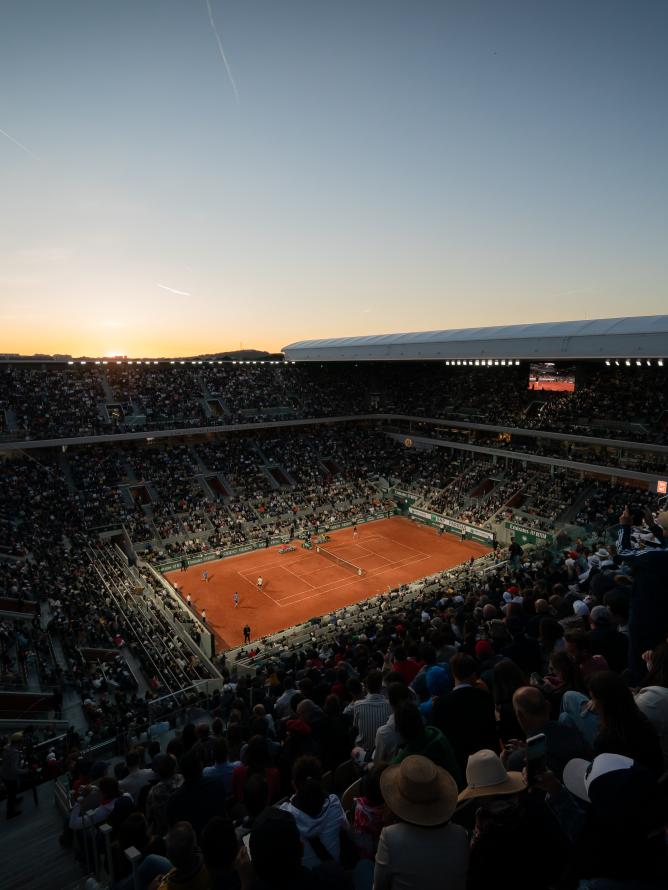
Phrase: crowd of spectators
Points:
(425, 697)
(49, 402)
(397, 750)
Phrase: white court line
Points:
(333, 585)
(255, 587)
(293, 598)
(332, 588)
(300, 578)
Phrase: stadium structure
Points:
(169, 527)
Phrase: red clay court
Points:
(303, 584)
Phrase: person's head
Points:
(578, 645)
(220, 750)
(133, 832)
(489, 612)
(613, 702)
(188, 736)
(181, 846)
(507, 678)
(219, 844)
(400, 654)
(374, 682)
(132, 760)
(332, 706)
(531, 708)
(256, 795)
(486, 776)
(108, 788)
(307, 782)
(398, 693)
(164, 766)
(370, 788)
(618, 602)
(419, 792)
(408, 721)
(256, 755)
(658, 671)
(549, 632)
(275, 848)
(191, 765)
(175, 748)
(464, 668)
(567, 670)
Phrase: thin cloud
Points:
(221, 50)
(172, 290)
(20, 144)
(577, 290)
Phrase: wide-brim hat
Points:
(486, 776)
(579, 774)
(418, 791)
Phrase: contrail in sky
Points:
(221, 50)
(20, 144)
(181, 293)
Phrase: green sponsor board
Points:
(471, 532)
(524, 535)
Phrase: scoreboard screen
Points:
(551, 377)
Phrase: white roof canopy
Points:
(639, 337)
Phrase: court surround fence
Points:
(454, 526)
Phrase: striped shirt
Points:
(368, 715)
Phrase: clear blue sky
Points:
(387, 166)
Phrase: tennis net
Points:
(357, 570)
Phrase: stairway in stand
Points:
(31, 857)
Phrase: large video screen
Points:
(551, 377)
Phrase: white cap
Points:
(581, 608)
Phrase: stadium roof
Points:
(644, 336)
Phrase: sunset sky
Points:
(311, 168)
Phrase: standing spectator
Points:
(319, 816)
(371, 712)
(136, 778)
(652, 699)
(427, 741)
(648, 618)
(623, 728)
(12, 772)
(222, 769)
(466, 716)
(388, 739)
(606, 641)
(256, 761)
(164, 766)
(412, 854)
(198, 799)
(189, 871)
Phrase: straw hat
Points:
(487, 776)
(418, 791)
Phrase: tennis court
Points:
(303, 584)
